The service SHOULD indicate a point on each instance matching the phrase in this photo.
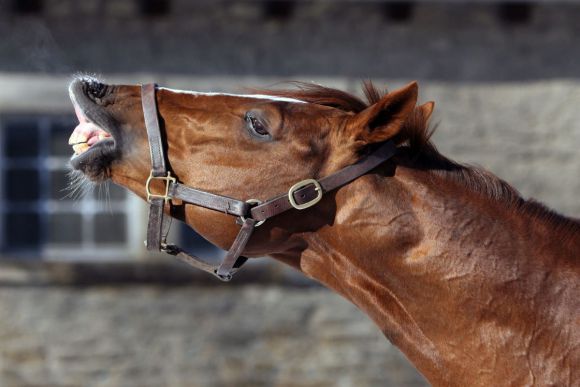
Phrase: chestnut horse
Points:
(476, 285)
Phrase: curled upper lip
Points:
(79, 98)
(94, 122)
(87, 108)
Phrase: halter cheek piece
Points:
(250, 213)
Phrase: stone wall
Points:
(526, 133)
(151, 336)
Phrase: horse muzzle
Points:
(94, 140)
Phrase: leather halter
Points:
(250, 213)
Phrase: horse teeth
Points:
(80, 148)
(76, 138)
(84, 131)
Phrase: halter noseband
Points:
(250, 213)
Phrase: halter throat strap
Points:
(250, 213)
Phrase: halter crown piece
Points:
(250, 213)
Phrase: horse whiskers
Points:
(104, 195)
(79, 185)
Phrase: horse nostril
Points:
(96, 89)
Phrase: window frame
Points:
(88, 207)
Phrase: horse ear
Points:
(384, 119)
(427, 110)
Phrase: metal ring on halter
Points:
(256, 202)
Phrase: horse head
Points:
(250, 146)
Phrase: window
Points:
(41, 217)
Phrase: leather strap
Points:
(307, 193)
(201, 264)
(225, 269)
(208, 200)
(232, 261)
(158, 168)
(155, 225)
(150, 115)
(303, 195)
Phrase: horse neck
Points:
(451, 277)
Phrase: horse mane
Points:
(415, 140)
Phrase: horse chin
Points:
(95, 163)
(94, 139)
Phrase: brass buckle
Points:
(167, 179)
(299, 185)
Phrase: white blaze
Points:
(255, 96)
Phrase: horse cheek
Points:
(219, 229)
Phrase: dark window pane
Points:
(109, 191)
(21, 185)
(21, 139)
(110, 228)
(60, 131)
(65, 228)
(22, 231)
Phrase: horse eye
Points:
(256, 126)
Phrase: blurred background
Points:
(83, 304)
